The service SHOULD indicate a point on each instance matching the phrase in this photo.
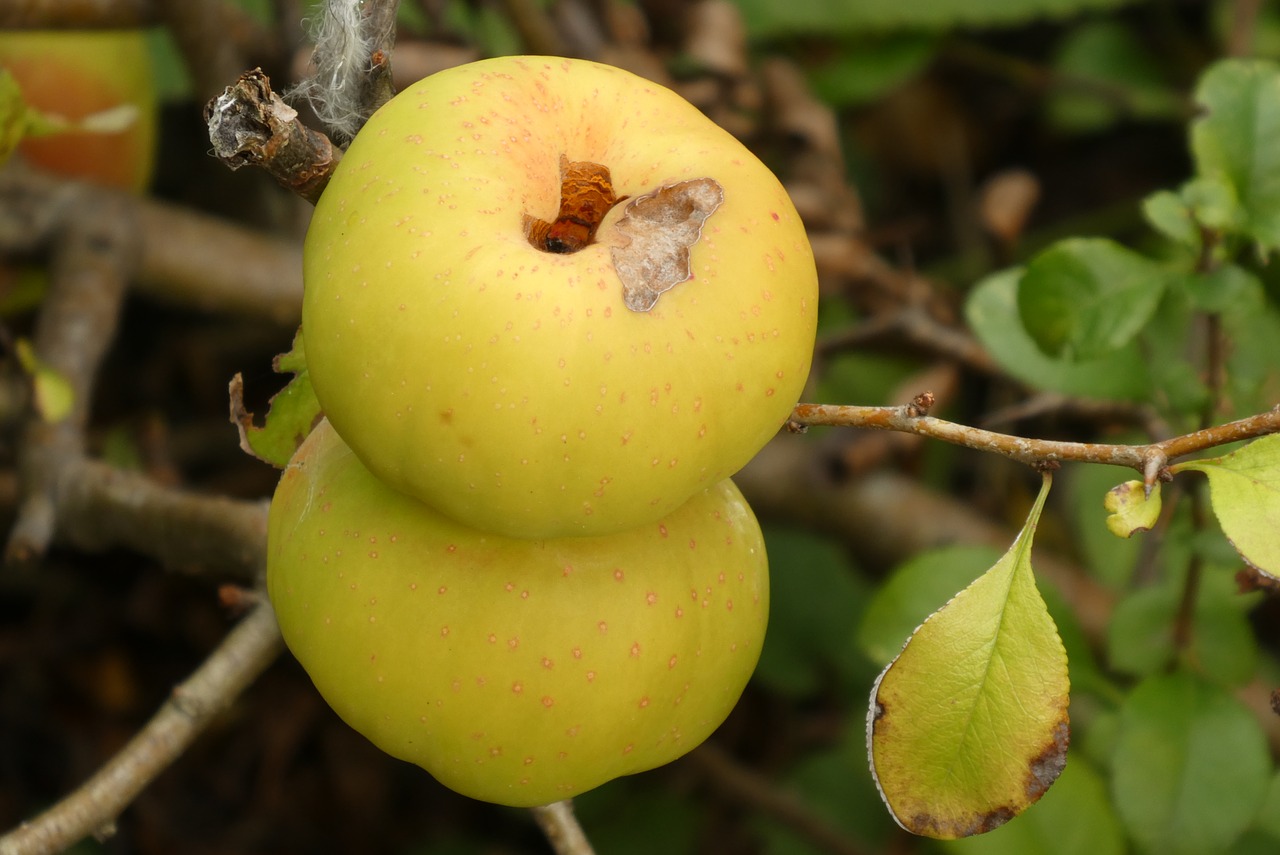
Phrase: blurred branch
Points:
(101, 507)
(185, 257)
(758, 793)
(192, 707)
(561, 829)
(203, 32)
(215, 265)
(94, 252)
(914, 327)
(1244, 26)
(350, 70)
(537, 32)
(79, 14)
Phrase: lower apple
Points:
(515, 671)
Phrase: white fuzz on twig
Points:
(344, 40)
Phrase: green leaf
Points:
(1251, 324)
(1177, 385)
(808, 631)
(1126, 80)
(968, 726)
(835, 786)
(1244, 487)
(1170, 215)
(992, 314)
(1107, 558)
(770, 18)
(1130, 509)
(915, 590)
(863, 69)
(13, 115)
(1190, 767)
(294, 411)
(1264, 837)
(1214, 204)
(1234, 143)
(1140, 632)
(1227, 288)
(1140, 635)
(1088, 297)
(53, 394)
(1073, 818)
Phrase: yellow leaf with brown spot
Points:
(968, 725)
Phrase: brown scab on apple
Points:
(658, 231)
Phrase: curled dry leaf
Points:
(659, 229)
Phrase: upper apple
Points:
(540, 391)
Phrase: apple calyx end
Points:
(586, 196)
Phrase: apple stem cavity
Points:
(586, 196)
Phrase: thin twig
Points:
(350, 68)
(380, 19)
(1150, 459)
(912, 326)
(561, 829)
(193, 706)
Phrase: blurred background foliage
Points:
(973, 137)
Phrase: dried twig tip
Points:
(921, 404)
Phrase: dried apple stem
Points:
(562, 829)
(249, 124)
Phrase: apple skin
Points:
(511, 388)
(515, 671)
(75, 73)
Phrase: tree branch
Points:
(250, 125)
(93, 259)
(203, 31)
(100, 507)
(1150, 460)
(185, 257)
(78, 14)
(192, 707)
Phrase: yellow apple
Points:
(515, 671)
(652, 341)
(76, 74)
